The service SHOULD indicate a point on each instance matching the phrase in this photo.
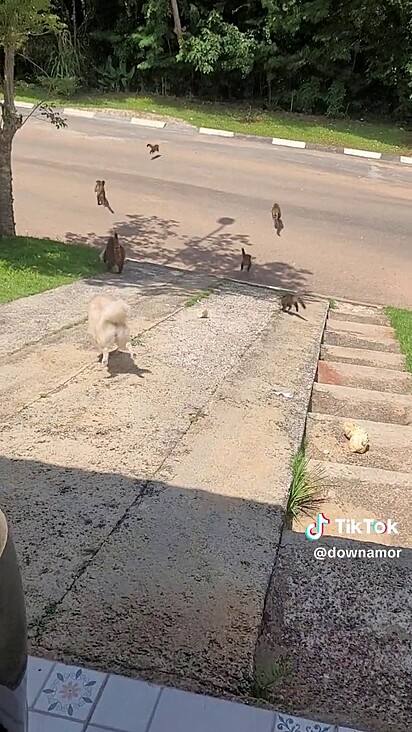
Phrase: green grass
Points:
(332, 304)
(401, 322)
(378, 137)
(265, 679)
(306, 490)
(202, 295)
(29, 266)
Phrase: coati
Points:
(289, 300)
(114, 254)
(100, 192)
(246, 261)
(153, 148)
(277, 218)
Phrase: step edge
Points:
(376, 393)
(397, 475)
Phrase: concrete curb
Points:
(277, 141)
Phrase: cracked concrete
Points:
(147, 506)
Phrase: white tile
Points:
(38, 670)
(183, 712)
(348, 729)
(289, 723)
(126, 704)
(47, 723)
(70, 691)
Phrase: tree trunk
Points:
(7, 223)
(176, 17)
(10, 123)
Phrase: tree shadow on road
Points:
(157, 240)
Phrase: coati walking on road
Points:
(246, 261)
(277, 218)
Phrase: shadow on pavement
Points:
(157, 240)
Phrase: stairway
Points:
(361, 376)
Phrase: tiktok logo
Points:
(315, 531)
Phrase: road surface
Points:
(348, 222)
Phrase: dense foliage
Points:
(332, 57)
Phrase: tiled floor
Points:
(71, 699)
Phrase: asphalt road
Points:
(348, 222)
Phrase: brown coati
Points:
(289, 300)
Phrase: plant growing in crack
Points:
(306, 493)
(264, 679)
(202, 295)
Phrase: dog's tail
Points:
(243, 252)
(116, 312)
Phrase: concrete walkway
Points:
(147, 507)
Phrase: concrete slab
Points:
(347, 339)
(143, 489)
(346, 648)
(363, 357)
(376, 406)
(67, 306)
(390, 444)
(196, 553)
(62, 356)
(364, 377)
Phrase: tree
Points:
(19, 19)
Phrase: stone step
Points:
(390, 444)
(385, 342)
(363, 357)
(370, 330)
(361, 311)
(376, 406)
(364, 377)
(356, 492)
(377, 318)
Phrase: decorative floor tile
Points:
(38, 670)
(48, 723)
(126, 705)
(179, 711)
(70, 692)
(287, 723)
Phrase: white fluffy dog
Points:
(108, 326)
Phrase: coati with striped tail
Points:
(277, 218)
(246, 261)
(289, 300)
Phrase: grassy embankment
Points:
(378, 137)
